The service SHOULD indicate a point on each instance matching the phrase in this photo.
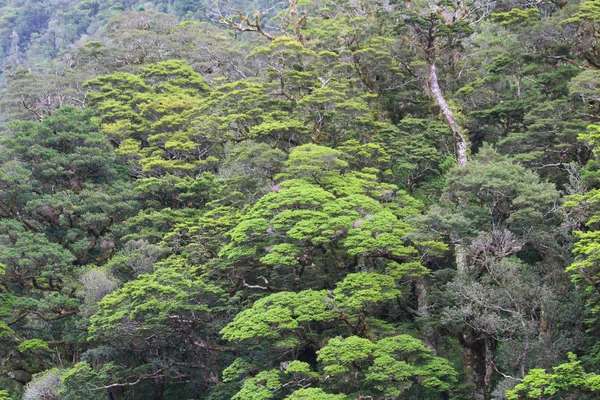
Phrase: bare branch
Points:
(503, 374)
(245, 23)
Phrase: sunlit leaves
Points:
(565, 379)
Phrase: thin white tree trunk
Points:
(438, 96)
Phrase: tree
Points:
(320, 220)
(296, 321)
(566, 379)
(498, 207)
(170, 310)
(437, 27)
(57, 215)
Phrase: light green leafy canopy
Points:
(33, 345)
(312, 161)
(588, 13)
(399, 359)
(151, 118)
(300, 369)
(260, 387)
(391, 365)
(516, 16)
(150, 301)
(119, 86)
(565, 379)
(175, 76)
(362, 290)
(79, 381)
(343, 355)
(379, 231)
(338, 113)
(324, 206)
(273, 315)
(240, 366)
(585, 268)
(287, 316)
(314, 394)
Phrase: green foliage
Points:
(391, 365)
(271, 316)
(79, 381)
(259, 387)
(585, 86)
(565, 379)
(314, 394)
(360, 291)
(413, 147)
(149, 302)
(588, 11)
(343, 356)
(350, 212)
(516, 16)
(584, 269)
(174, 76)
(270, 197)
(33, 345)
(236, 369)
(310, 160)
(64, 150)
(512, 195)
(399, 358)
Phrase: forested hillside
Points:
(300, 200)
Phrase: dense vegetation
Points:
(303, 200)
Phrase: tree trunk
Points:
(428, 332)
(460, 257)
(478, 361)
(159, 389)
(438, 96)
(490, 353)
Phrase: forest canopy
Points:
(299, 200)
